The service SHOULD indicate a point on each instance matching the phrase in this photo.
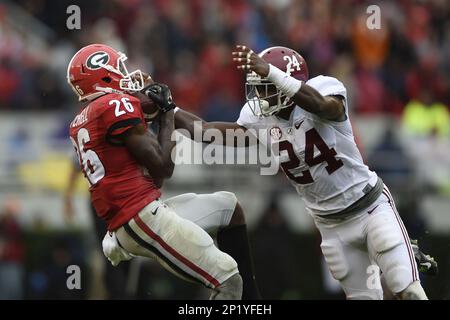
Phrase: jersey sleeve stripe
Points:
(119, 128)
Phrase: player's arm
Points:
(308, 98)
(153, 152)
(326, 107)
(197, 128)
(126, 126)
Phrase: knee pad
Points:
(332, 251)
(413, 292)
(192, 233)
(396, 276)
(224, 262)
(383, 233)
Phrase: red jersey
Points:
(119, 189)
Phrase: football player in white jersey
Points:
(307, 122)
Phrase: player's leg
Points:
(220, 214)
(209, 211)
(389, 246)
(233, 239)
(343, 247)
(387, 293)
(183, 248)
(426, 264)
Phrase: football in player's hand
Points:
(149, 108)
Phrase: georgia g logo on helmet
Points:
(97, 60)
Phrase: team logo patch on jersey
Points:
(276, 133)
(97, 60)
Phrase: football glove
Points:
(161, 95)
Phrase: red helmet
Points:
(263, 97)
(98, 69)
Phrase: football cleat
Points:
(427, 264)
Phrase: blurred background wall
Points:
(398, 82)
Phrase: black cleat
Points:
(427, 264)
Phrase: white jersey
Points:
(320, 157)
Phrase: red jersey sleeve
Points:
(122, 112)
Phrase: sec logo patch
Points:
(276, 133)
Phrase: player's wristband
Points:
(283, 81)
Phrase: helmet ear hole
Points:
(107, 79)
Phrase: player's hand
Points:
(147, 79)
(161, 95)
(248, 61)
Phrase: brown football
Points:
(149, 108)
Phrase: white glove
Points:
(113, 251)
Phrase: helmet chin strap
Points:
(107, 90)
(92, 96)
(264, 105)
(268, 110)
(131, 84)
(131, 81)
(104, 90)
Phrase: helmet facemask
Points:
(263, 97)
(133, 81)
(129, 81)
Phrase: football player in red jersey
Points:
(113, 145)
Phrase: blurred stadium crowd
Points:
(399, 74)
(187, 44)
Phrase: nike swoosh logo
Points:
(297, 125)
(155, 211)
(370, 211)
